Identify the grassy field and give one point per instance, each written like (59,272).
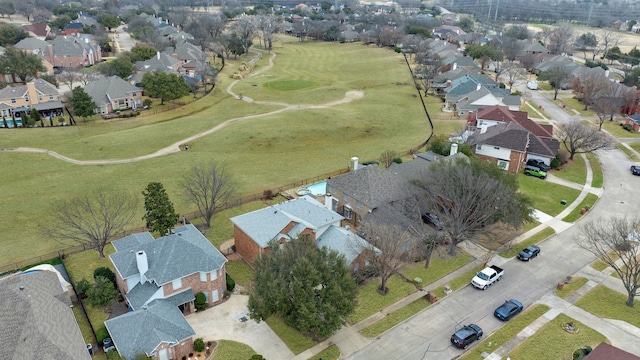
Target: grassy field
(531,108)
(614,128)
(575,170)
(610,304)
(370,301)
(570,288)
(558,344)
(545,195)
(395,318)
(261,152)
(575,214)
(240,272)
(232,350)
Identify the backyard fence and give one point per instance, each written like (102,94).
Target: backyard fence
(264,195)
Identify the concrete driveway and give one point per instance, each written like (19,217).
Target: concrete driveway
(222,322)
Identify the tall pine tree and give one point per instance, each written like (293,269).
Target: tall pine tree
(83,104)
(160,215)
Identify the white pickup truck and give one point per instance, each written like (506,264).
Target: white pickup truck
(487,277)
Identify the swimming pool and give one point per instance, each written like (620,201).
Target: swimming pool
(317,189)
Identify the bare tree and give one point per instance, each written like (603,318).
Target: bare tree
(210,188)
(430,65)
(608,40)
(591,85)
(387,157)
(556,76)
(268,26)
(92,220)
(579,138)
(560,38)
(68,77)
(616,242)
(469,196)
(606,106)
(387,250)
(245,28)
(513,72)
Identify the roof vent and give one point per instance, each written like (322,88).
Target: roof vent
(21,287)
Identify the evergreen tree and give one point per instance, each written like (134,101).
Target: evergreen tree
(83,104)
(160,216)
(159,84)
(20,63)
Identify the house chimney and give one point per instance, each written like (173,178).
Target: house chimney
(478,87)
(355,163)
(143,265)
(454,149)
(483,129)
(448,83)
(455,66)
(606,73)
(158,55)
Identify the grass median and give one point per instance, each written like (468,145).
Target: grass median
(589,201)
(532,240)
(627,152)
(598,176)
(570,288)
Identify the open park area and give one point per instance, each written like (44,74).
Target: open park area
(263,151)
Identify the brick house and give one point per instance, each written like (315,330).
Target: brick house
(634,121)
(64,51)
(39,31)
(112,94)
(494,115)
(297,217)
(157,275)
(510,145)
(39,95)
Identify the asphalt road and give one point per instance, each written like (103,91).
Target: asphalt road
(426,335)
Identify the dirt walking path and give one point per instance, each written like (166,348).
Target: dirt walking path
(176,147)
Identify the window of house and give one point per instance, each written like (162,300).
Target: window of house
(503,164)
(26,98)
(176,284)
(214,274)
(13,101)
(348,212)
(345,197)
(203,276)
(39,96)
(496,147)
(50,97)
(358,204)
(479,147)
(133,94)
(215,296)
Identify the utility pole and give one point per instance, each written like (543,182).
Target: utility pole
(489,13)
(590,11)
(495,17)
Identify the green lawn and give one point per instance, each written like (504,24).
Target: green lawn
(533,240)
(590,200)
(370,301)
(438,268)
(545,195)
(615,129)
(610,304)
(598,177)
(330,353)
(627,152)
(570,288)
(544,85)
(507,332)
(601,265)
(232,350)
(635,146)
(295,341)
(81,265)
(83,323)
(531,108)
(576,105)
(553,342)
(575,170)
(262,152)
(240,272)
(395,318)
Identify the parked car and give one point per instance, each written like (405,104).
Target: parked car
(487,277)
(433,220)
(465,336)
(107,344)
(529,253)
(635,169)
(539,164)
(535,171)
(509,309)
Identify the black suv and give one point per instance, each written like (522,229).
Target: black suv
(539,164)
(635,169)
(465,336)
(433,220)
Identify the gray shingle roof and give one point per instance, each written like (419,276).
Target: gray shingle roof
(171,257)
(373,186)
(266,224)
(145,329)
(342,241)
(507,135)
(36,322)
(140,294)
(32,44)
(104,90)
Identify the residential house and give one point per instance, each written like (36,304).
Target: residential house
(494,115)
(38,94)
(532,48)
(358,193)
(63,51)
(192,57)
(38,31)
(634,121)
(113,94)
(303,216)
(161,62)
(159,280)
(35,46)
(72,29)
(158,330)
(176,266)
(510,145)
(470,94)
(37,319)
(606,351)
(459,61)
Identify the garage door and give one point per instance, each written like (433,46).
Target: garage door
(163,354)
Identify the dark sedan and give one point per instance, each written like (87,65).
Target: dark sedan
(635,169)
(529,253)
(509,309)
